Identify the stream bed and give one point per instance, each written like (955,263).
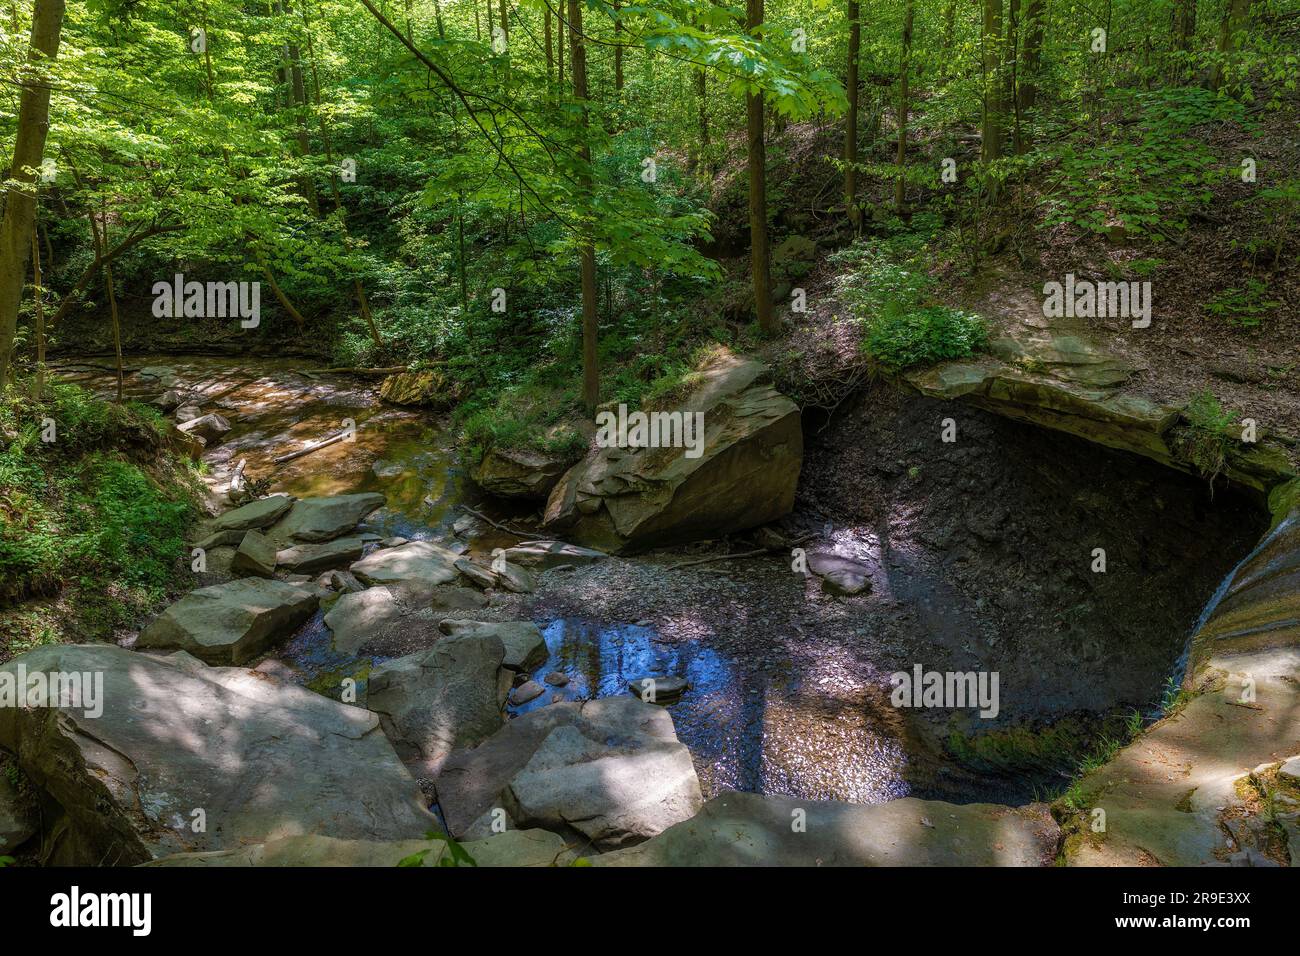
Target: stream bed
(979,556)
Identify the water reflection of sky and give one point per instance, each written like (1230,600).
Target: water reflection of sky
(746,730)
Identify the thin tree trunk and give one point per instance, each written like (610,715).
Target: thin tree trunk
(1031,61)
(900,159)
(587,253)
(991,133)
(618,52)
(702,94)
(852,85)
(559,49)
(29,149)
(760,264)
(99,233)
(38,390)
(550,52)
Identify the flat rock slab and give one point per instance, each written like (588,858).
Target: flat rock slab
(512,848)
(614,791)
(436,700)
(525,648)
(230,623)
(544,555)
(264,759)
(749,829)
(420,562)
(320,519)
(473,781)
(255,514)
(312,558)
(358,616)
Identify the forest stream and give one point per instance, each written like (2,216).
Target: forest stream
(788,689)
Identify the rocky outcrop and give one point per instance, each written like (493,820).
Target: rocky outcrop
(230,623)
(615,774)
(1207,769)
(748,829)
(629,499)
(321,519)
(427,388)
(436,700)
(186,757)
(518,473)
(1068,383)
(511,848)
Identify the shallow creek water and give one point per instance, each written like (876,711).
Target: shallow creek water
(788,688)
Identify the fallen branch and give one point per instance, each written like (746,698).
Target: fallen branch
(496,524)
(311,448)
(362,370)
(741,554)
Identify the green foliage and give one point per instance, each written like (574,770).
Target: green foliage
(888,291)
(90,507)
(1243,307)
(1205,440)
(450,853)
(1142,178)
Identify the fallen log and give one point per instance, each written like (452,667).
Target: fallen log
(311,448)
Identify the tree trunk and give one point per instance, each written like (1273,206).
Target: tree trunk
(851,86)
(900,187)
(760,265)
(1234,20)
(618,51)
(559,48)
(29,149)
(991,134)
(1184,24)
(587,252)
(1031,59)
(550,50)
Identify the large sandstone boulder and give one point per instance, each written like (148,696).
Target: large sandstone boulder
(749,829)
(256,514)
(525,648)
(230,623)
(261,759)
(605,773)
(419,562)
(518,473)
(320,519)
(629,499)
(511,848)
(436,700)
